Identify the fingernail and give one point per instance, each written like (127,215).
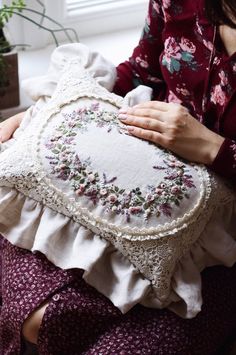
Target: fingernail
(122,116)
(123,110)
(130,129)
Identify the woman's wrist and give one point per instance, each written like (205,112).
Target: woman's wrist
(215,143)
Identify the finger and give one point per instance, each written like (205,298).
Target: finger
(6,132)
(155,105)
(143,122)
(151,136)
(144,112)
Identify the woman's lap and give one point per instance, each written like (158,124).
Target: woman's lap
(79,320)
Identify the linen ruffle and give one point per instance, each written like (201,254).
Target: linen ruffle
(28,224)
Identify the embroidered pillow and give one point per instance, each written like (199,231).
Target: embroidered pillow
(77,158)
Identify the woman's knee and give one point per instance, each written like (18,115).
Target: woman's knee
(30,329)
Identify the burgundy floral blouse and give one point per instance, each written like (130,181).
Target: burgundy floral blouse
(181,56)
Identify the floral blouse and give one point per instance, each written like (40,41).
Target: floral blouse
(182,57)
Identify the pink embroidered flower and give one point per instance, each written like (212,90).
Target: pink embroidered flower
(173,98)
(135,210)
(218,96)
(91,177)
(112,198)
(175,190)
(172,50)
(80,190)
(234,67)
(62,166)
(187,46)
(103,192)
(158,191)
(223,78)
(208,44)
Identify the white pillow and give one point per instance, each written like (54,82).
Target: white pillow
(77,158)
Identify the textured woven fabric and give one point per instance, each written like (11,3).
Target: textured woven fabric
(79,320)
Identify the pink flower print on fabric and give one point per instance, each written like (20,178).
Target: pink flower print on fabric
(218,96)
(177,54)
(142,62)
(199,28)
(187,46)
(223,78)
(208,44)
(216,61)
(156,7)
(233,147)
(172,55)
(183,91)
(234,67)
(166,3)
(173,98)
(221,91)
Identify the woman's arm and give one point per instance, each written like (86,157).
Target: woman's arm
(9,126)
(143,67)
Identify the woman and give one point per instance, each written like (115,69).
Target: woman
(187,55)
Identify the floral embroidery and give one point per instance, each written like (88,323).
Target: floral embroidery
(178,53)
(66,165)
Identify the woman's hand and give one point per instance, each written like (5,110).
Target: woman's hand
(172,127)
(8,127)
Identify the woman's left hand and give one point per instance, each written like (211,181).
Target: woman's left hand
(171,126)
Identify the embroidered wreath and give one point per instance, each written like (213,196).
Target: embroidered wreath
(67,166)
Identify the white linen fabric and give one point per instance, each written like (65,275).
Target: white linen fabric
(76,186)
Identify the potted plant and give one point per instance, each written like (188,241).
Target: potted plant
(9,82)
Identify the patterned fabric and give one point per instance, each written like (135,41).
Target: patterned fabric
(181,56)
(79,320)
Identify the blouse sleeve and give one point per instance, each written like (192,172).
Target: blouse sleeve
(225,161)
(143,66)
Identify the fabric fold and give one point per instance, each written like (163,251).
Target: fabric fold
(32,226)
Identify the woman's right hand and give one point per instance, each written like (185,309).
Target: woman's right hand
(9,126)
